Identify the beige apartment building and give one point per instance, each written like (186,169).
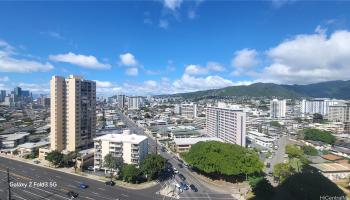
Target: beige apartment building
(131,147)
(227,123)
(73,113)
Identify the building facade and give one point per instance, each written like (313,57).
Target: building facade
(73,113)
(227,123)
(131,148)
(278,108)
(121,101)
(188,110)
(320,106)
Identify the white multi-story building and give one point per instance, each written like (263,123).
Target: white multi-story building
(73,113)
(135,102)
(278,108)
(260,139)
(320,106)
(131,148)
(188,110)
(121,101)
(227,123)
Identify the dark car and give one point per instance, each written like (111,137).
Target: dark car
(72,194)
(83,186)
(182,177)
(184,186)
(180,165)
(193,188)
(110,183)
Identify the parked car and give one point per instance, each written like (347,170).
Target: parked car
(193,188)
(175,170)
(182,177)
(110,183)
(72,194)
(184,186)
(36,161)
(83,186)
(180,165)
(91,168)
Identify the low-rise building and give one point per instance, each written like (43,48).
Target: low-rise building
(131,148)
(184,144)
(13,140)
(333,171)
(29,147)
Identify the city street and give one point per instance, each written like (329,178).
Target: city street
(204,191)
(278,156)
(61,183)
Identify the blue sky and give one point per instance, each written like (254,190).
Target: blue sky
(169,46)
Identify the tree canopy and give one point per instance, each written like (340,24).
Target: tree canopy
(152,166)
(309,150)
(319,135)
(130,173)
(226,159)
(55,157)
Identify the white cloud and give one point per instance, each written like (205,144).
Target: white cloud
(128,59)
(163,23)
(9,63)
(4,79)
(172,4)
(280,3)
(189,83)
(245,58)
(199,70)
(52,34)
(38,88)
(310,58)
(132,71)
(103,84)
(87,61)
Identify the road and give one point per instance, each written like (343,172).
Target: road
(279,153)
(61,183)
(204,192)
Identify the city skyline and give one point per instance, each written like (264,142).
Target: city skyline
(159,47)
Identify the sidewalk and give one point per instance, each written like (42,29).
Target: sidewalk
(119,183)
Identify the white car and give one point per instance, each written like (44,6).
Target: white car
(175,170)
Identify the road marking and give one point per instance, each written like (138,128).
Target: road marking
(124,195)
(52,193)
(57,176)
(72,186)
(95,193)
(101,189)
(17,196)
(88,198)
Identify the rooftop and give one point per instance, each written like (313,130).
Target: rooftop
(15,136)
(190,141)
(332,167)
(331,157)
(125,138)
(31,145)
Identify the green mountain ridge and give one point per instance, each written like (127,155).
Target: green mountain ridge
(329,89)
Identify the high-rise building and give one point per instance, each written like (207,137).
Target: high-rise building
(339,113)
(135,102)
(278,108)
(121,101)
(131,148)
(2,95)
(227,123)
(188,110)
(318,105)
(17,91)
(73,113)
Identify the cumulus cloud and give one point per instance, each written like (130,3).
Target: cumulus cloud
(310,58)
(128,60)
(132,71)
(87,61)
(10,63)
(199,70)
(191,83)
(103,84)
(245,58)
(38,88)
(172,4)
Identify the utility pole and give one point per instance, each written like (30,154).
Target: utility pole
(8,183)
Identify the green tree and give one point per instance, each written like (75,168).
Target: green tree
(112,163)
(153,166)
(319,135)
(275,123)
(317,118)
(55,157)
(263,189)
(309,150)
(223,159)
(293,151)
(282,171)
(130,173)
